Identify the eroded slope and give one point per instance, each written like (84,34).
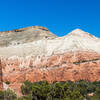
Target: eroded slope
(44,56)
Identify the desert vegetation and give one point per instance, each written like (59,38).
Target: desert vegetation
(80,90)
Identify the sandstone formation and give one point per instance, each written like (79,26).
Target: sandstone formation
(40,55)
(24,35)
(1,81)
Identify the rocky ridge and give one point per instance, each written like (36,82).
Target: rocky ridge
(24,35)
(75,56)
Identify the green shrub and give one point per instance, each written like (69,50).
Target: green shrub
(43,90)
(1,95)
(9,95)
(7,82)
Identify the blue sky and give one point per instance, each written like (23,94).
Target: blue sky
(60,16)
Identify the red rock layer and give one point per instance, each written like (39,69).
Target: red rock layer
(72,66)
(1,81)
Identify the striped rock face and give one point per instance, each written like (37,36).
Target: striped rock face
(35,54)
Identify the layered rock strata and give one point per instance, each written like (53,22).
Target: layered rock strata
(74,57)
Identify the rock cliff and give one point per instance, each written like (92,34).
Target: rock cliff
(41,55)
